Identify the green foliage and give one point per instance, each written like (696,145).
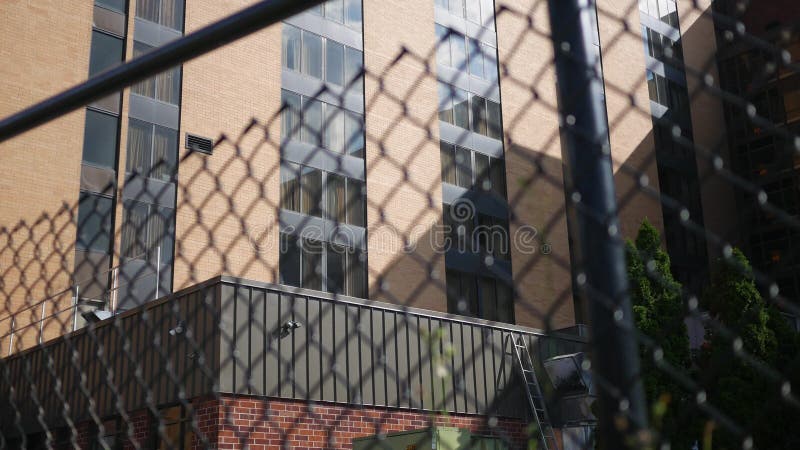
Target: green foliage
(659,314)
(743,392)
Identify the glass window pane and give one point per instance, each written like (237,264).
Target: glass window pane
(312,121)
(356,203)
(482,172)
(117,5)
(312,55)
(458,45)
(487,13)
(448,162)
(469,289)
(505,303)
(489,62)
(453,286)
(354,135)
(290,260)
(353,76)
(147,87)
(460,108)
(352,14)
(445,103)
(148,9)
(291,44)
(488,299)
(494,122)
(443,46)
(357,274)
(334,129)
(497,175)
(140,139)
(290,115)
(134,230)
(172,14)
(442,3)
(168,86)
(165,154)
(478,105)
(334,10)
(463,167)
(94,222)
(335,193)
(106,52)
(336,257)
(311,191)
(316,10)
(457,7)
(476,59)
(290,187)
(334,62)
(312,264)
(473,11)
(100,139)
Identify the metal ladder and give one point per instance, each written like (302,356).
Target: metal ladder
(534,393)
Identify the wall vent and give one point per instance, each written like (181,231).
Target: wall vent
(199,144)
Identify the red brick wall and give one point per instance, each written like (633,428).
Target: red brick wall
(237,422)
(265,424)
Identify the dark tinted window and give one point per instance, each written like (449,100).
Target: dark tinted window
(94,222)
(100,139)
(106,52)
(117,5)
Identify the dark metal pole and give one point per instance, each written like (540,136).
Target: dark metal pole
(615,357)
(213,36)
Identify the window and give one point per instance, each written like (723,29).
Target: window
(290,115)
(301,265)
(152,150)
(291,41)
(487,13)
(333,136)
(178,432)
(477,296)
(334,63)
(168,13)
(443,46)
(478,106)
(94,222)
(342,199)
(311,191)
(492,236)
(457,169)
(460,108)
(354,134)
(463,160)
(106,52)
(445,103)
(473,9)
(476,59)
(312,121)
(352,14)
(334,10)
(145,228)
(116,5)
(165,86)
(457,7)
(100,139)
(458,50)
(312,55)
(493,119)
(321,124)
(353,70)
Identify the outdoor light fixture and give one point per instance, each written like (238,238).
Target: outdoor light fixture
(288,327)
(179,328)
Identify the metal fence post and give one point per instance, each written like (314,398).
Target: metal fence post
(615,358)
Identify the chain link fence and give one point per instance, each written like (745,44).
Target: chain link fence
(455,224)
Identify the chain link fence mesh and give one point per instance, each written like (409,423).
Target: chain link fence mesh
(341,265)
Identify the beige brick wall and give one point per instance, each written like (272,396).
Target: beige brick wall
(45,49)
(402,157)
(226,210)
(699,53)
